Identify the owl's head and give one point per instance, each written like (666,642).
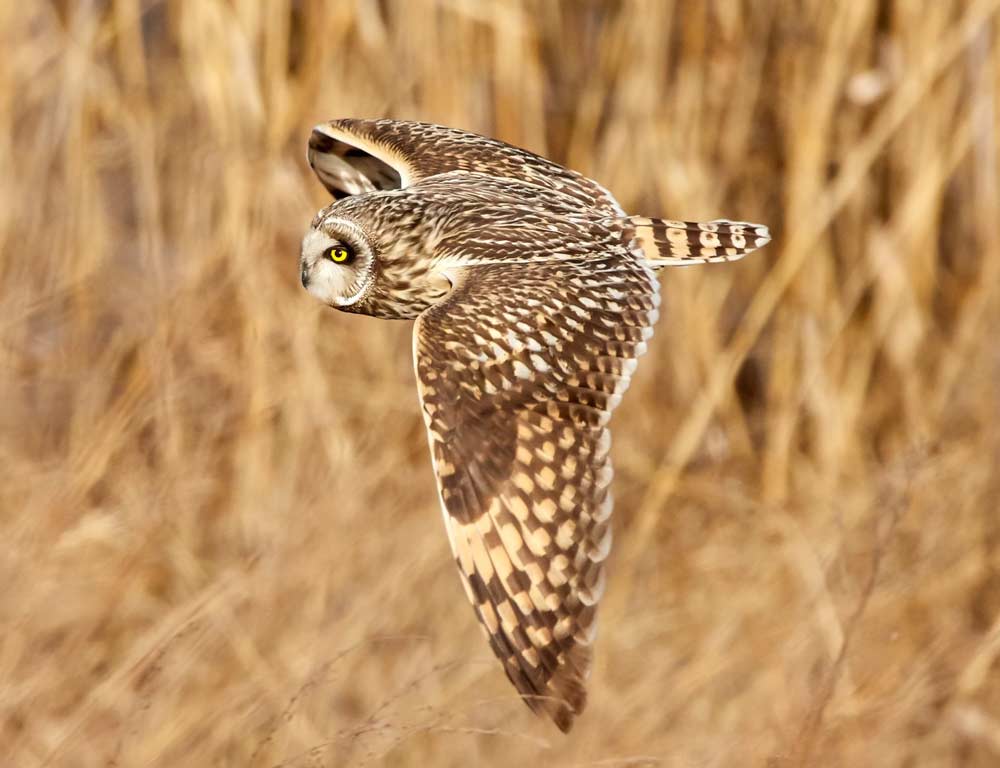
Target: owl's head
(337,262)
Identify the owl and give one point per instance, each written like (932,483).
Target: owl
(533,295)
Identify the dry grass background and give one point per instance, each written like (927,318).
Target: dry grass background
(220,537)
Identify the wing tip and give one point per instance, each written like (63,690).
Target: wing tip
(321,141)
(566,696)
(350,161)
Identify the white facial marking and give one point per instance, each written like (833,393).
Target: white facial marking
(337,285)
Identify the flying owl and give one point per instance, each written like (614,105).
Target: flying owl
(533,295)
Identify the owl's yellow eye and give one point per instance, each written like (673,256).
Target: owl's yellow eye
(339,254)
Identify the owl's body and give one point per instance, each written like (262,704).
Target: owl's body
(533,295)
(477,219)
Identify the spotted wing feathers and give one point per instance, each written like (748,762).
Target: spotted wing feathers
(666,243)
(354,156)
(518,371)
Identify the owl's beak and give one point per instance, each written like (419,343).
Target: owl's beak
(304,275)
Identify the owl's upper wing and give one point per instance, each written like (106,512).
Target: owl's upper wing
(518,371)
(353,156)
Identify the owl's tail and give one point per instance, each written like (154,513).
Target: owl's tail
(679,243)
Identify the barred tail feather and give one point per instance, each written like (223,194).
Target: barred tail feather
(667,243)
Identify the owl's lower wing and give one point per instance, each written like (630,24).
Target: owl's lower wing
(353,156)
(518,371)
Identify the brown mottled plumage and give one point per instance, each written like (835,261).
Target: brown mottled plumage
(534,295)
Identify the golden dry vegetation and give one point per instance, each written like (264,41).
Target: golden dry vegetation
(220,542)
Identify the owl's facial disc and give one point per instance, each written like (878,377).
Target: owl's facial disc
(337,263)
